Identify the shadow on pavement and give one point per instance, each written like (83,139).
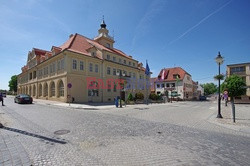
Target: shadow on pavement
(33,135)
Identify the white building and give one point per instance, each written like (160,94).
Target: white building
(174,80)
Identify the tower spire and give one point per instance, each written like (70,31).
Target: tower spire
(103,25)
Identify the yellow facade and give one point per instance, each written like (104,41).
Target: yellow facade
(47,74)
(242,70)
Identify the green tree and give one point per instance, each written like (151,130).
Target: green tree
(235,86)
(13,83)
(209,88)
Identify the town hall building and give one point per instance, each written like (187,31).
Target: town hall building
(81,69)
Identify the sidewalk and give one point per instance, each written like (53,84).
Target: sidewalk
(94,106)
(242,117)
(75,105)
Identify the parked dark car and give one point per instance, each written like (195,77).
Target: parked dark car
(203,98)
(23,99)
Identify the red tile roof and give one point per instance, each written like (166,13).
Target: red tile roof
(39,52)
(81,44)
(170,72)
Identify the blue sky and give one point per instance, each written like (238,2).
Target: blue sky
(168,33)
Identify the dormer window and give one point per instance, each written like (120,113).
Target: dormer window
(93,53)
(107,45)
(176,76)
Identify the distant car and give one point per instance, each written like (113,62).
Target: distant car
(23,99)
(203,98)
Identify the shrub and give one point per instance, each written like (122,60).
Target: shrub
(153,96)
(130,97)
(139,96)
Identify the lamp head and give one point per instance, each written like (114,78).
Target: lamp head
(219,59)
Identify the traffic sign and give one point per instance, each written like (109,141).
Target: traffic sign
(69,85)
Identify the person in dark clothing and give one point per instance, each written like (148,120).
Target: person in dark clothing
(1,98)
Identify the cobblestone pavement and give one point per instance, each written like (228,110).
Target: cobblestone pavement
(166,134)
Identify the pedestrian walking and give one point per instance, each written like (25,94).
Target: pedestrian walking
(226,97)
(1,98)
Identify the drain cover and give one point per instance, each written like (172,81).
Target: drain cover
(61,132)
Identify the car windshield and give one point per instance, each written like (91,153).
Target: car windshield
(24,95)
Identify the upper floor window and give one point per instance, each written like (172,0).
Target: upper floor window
(30,76)
(34,74)
(114,71)
(108,70)
(237,69)
(62,64)
(74,65)
(120,60)
(158,85)
(124,61)
(108,57)
(53,67)
(96,68)
(81,65)
(134,75)
(40,72)
(114,58)
(59,65)
(134,64)
(129,63)
(90,67)
(50,68)
(45,70)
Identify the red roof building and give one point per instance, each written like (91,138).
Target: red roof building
(174,81)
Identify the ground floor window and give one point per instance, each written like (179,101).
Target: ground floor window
(45,90)
(61,89)
(52,89)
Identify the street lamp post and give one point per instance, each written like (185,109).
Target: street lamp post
(219,60)
(120,76)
